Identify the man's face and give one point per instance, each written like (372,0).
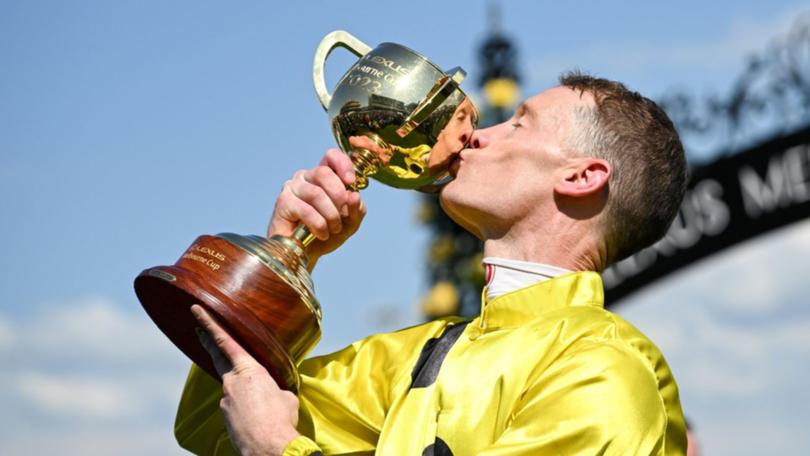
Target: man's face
(510,169)
(453,137)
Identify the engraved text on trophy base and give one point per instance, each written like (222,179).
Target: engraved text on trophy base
(202,259)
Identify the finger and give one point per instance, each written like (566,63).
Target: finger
(356,209)
(326,178)
(291,208)
(341,164)
(222,340)
(316,197)
(221,362)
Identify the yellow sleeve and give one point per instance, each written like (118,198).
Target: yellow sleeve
(344,397)
(603,398)
(200,426)
(302,446)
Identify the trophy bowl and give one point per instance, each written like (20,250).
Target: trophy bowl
(401,120)
(398,105)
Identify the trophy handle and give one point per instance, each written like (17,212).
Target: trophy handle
(337,38)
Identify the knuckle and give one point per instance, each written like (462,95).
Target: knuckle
(283,199)
(307,192)
(287,190)
(338,193)
(322,172)
(342,197)
(334,154)
(290,203)
(343,158)
(243,371)
(220,340)
(289,213)
(227,385)
(324,200)
(248,370)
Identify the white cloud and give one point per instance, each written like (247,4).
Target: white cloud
(78,396)
(88,368)
(94,327)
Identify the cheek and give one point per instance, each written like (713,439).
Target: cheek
(503,179)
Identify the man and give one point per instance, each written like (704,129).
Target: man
(583,175)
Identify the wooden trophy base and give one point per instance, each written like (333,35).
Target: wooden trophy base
(255,295)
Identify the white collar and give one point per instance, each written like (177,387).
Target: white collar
(504,275)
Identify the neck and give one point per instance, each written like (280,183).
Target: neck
(567,244)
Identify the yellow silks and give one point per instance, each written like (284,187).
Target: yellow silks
(544,370)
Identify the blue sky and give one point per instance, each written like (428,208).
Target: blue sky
(129,128)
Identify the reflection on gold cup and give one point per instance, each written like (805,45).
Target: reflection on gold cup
(403,103)
(401,120)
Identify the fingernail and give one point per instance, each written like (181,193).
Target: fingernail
(349,176)
(344,210)
(195,311)
(362,206)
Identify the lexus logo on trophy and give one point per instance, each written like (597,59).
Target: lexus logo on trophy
(395,114)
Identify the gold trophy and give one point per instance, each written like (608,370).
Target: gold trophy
(401,120)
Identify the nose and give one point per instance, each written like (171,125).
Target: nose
(465,134)
(479,139)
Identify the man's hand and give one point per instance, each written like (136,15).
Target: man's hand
(318,198)
(260,416)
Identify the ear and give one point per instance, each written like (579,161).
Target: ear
(584,177)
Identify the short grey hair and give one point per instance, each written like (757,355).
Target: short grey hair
(649,173)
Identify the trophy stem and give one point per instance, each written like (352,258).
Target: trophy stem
(302,235)
(366,163)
